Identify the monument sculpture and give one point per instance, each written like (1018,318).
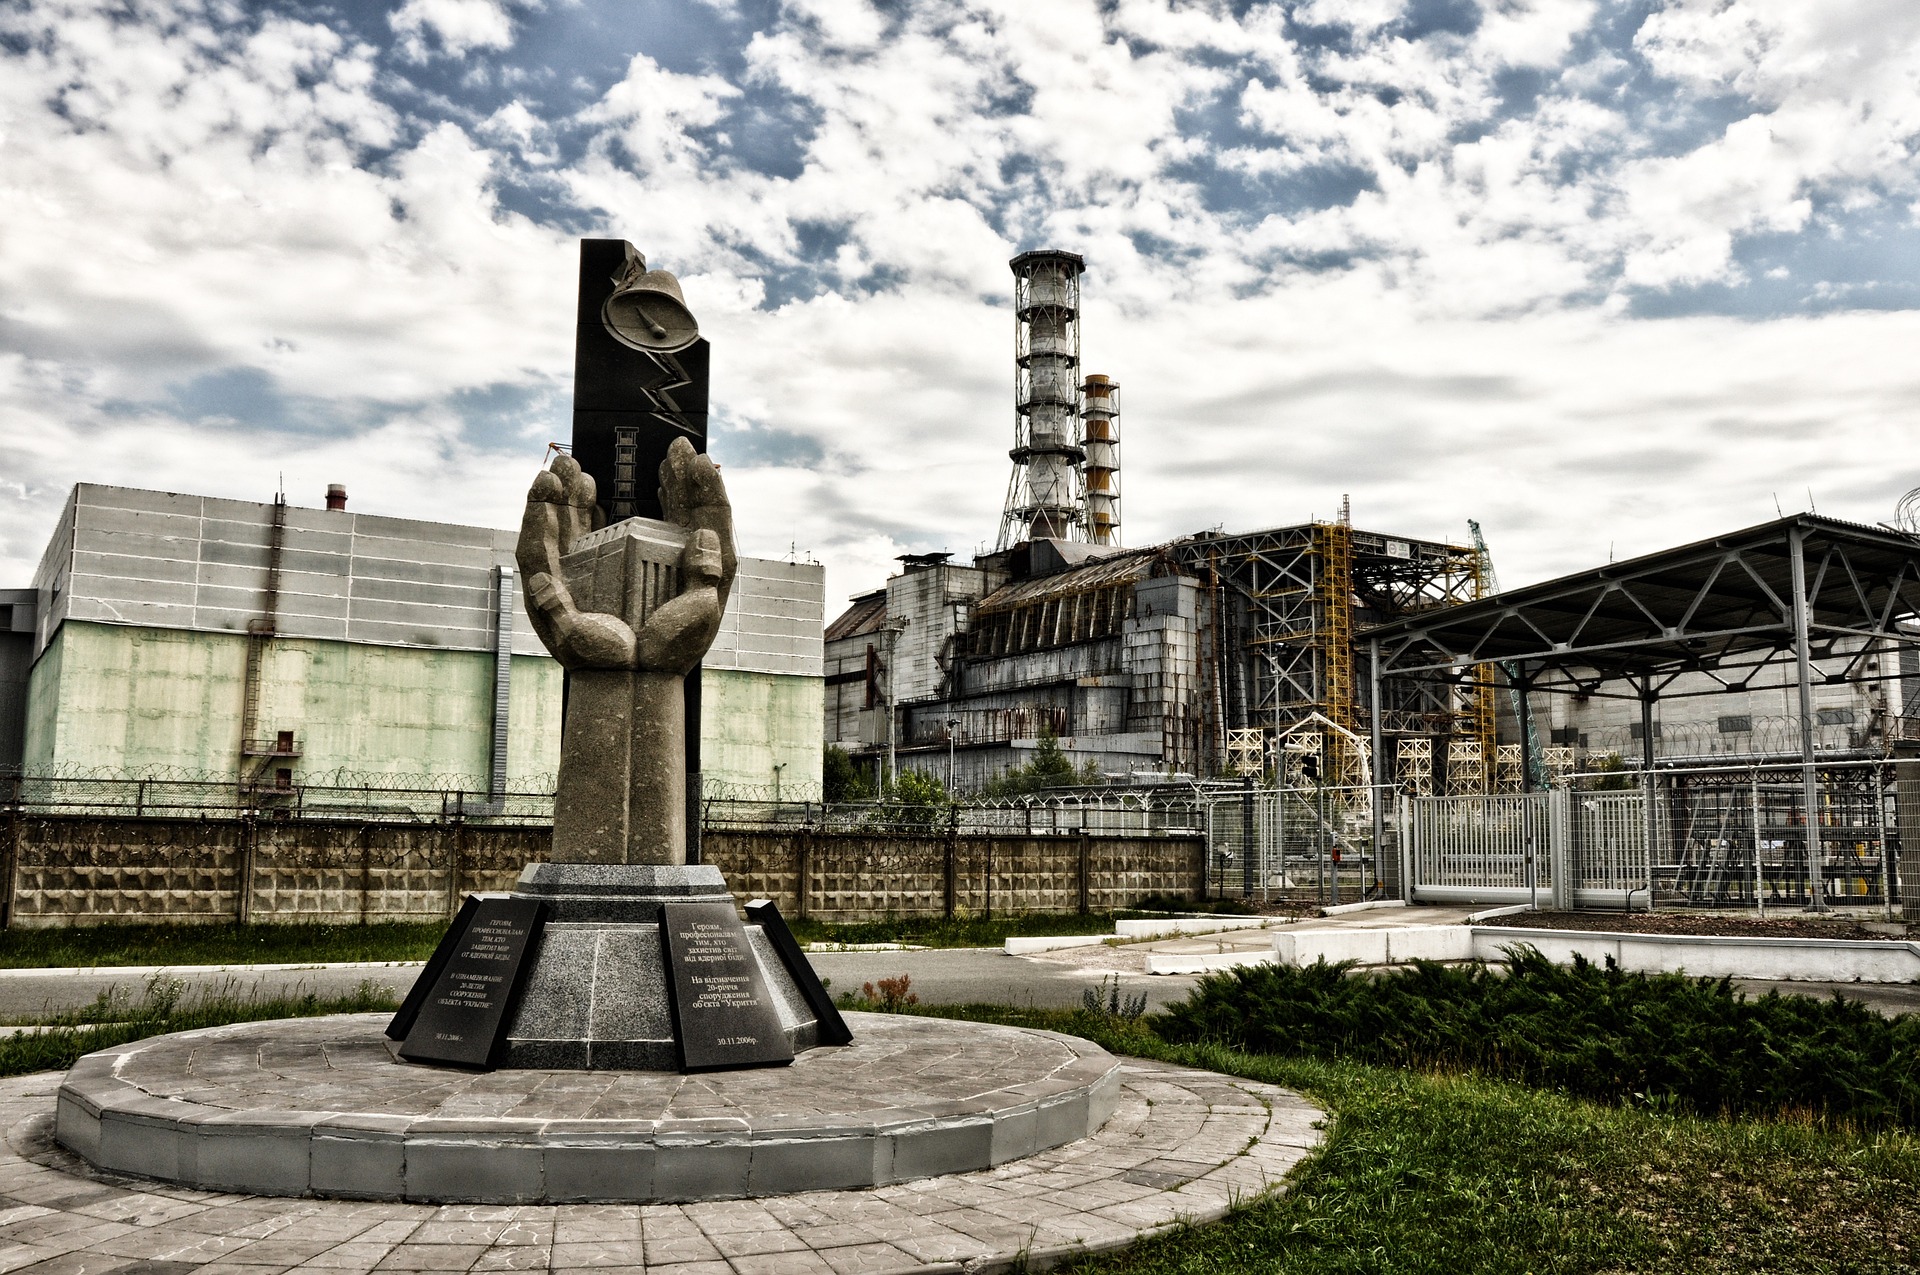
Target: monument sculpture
(617,953)
(628,610)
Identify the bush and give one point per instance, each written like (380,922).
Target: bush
(841,780)
(1659,1039)
(1050,768)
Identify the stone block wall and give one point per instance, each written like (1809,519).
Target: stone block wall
(850,877)
(90,870)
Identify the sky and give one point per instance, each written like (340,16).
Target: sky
(1605,277)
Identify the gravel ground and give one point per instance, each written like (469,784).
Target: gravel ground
(1723,926)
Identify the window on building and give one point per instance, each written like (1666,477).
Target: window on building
(283,779)
(1737,724)
(1635,731)
(1564,735)
(1834,716)
(283,742)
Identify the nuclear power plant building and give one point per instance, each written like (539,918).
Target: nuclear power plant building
(175,635)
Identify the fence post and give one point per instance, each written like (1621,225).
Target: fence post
(949,868)
(12,865)
(1086,854)
(366,869)
(455,868)
(243,894)
(802,874)
(1409,845)
(1560,847)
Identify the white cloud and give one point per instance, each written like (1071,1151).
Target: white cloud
(452,27)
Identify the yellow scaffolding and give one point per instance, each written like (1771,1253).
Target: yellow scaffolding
(1479,723)
(1333,545)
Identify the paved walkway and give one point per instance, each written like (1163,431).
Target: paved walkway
(1182,1146)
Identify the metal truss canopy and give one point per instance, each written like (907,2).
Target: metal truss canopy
(1725,608)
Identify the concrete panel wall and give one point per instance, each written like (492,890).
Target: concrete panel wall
(83,870)
(122,555)
(775,620)
(751,723)
(130,699)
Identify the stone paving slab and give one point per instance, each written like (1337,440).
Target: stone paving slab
(1180,1147)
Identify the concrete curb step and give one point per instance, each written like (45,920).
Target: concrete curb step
(1785,960)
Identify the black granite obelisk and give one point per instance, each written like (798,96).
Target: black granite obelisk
(628,407)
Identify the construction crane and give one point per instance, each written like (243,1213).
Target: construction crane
(1536,769)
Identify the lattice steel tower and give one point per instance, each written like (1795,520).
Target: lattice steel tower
(1043,497)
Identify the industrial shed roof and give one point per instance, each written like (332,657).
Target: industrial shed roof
(1723,607)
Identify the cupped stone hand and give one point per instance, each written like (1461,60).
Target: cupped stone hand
(560,508)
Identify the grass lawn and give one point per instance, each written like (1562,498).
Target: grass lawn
(216,944)
(394,941)
(115,1018)
(958,931)
(1431,1172)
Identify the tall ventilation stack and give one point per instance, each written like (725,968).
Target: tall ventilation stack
(1100,436)
(1043,497)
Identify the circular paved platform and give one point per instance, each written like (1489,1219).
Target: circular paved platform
(322,1107)
(1181,1147)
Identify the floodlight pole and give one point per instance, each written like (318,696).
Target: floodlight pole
(1379,768)
(1803,660)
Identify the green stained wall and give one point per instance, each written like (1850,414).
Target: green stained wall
(749,722)
(134,699)
(128,699)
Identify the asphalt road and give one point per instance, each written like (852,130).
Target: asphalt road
(939,977)
(943,976)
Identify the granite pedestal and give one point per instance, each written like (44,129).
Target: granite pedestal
(596,995)
(324,1107)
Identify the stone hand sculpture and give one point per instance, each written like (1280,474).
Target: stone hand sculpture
(628,610)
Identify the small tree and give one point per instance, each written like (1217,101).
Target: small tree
(917,798)
(841,780)
(1614,767)
(1050,768)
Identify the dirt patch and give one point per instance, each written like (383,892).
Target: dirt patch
(1690,923)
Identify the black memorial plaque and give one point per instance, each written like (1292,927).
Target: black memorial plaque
(723,1014)
(423,986)
(460,1020)
(832,1029)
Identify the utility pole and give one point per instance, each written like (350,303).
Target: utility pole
(952,724)
(893,630)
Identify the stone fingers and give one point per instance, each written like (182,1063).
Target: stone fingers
(677,634)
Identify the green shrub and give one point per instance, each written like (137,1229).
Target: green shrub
(1659,1039)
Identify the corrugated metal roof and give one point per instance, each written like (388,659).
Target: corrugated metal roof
(1120,569)
(866,615)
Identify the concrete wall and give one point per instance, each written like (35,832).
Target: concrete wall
(16,660)
(753,723)
(121,698)
(122,555)
(84,870)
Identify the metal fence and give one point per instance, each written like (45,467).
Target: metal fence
(1097,812)
(1297,844)
(1698,836)
(394,801)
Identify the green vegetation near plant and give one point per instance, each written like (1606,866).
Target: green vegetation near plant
(216,944)
(961,930)
(1693,1043)
(1050,768)
(115,1018)
(1431,1173)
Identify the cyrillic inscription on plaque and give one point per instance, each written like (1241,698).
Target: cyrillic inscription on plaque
(724,1016)
(468,1006)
